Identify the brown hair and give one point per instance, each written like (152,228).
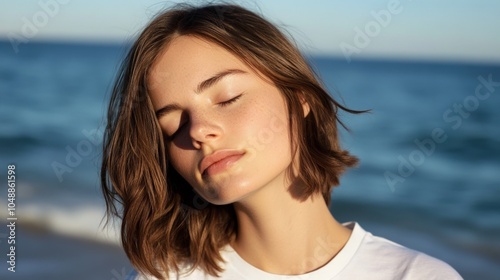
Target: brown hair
(165,225)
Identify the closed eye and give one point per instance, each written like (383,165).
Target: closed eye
(183,122)
(230,101)
(221,104)
(171,137)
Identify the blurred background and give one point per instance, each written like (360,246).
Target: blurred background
(429,176)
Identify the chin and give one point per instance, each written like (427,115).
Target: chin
(230,192)
(221,198)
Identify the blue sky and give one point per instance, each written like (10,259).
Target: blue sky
(418,29)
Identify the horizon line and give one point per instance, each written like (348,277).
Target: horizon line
(124,42)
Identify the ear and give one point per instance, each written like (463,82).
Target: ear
(305,106)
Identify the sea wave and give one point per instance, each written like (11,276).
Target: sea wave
(69,213)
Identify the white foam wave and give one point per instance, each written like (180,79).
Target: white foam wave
(65,213)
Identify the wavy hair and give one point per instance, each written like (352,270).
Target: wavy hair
(166,226)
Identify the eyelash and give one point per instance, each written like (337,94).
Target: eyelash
(230,101)
(221,104)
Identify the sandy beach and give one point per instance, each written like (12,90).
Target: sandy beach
(41,254)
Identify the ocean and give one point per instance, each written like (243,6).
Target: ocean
(429,150)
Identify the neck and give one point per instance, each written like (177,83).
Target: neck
(282,235)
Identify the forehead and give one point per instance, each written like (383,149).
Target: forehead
(187,60)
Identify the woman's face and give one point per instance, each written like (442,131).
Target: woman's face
(227,128)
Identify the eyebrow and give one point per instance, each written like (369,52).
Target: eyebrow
(216,78)
(200,88)
(167,109)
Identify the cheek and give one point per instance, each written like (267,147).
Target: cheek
(266,126)
(181,160)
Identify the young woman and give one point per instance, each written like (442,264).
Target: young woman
(220,154)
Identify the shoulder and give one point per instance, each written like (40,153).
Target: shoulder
(196,274)
(389,258)
(426,267)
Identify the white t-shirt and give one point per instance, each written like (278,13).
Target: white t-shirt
(364,256)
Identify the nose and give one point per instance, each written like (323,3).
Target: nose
(203,129)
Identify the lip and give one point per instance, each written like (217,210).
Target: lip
(218,161)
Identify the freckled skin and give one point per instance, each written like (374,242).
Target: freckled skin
(256,123)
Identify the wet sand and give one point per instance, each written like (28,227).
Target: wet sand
(41,254)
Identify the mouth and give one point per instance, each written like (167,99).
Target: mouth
(219,161)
